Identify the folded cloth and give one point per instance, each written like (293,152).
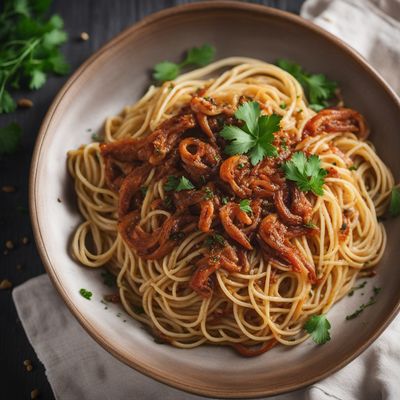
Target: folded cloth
(372,27)
(78,368)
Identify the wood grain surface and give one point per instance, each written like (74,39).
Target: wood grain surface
(101,19)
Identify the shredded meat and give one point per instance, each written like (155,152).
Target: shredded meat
(338,119)
(241,205)
(277,236)
(200,159)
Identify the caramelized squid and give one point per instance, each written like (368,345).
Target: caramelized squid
(276,235)
(338,119)
(235,171)
(225,258)
(200,159)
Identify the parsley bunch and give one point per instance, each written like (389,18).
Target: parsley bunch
(196,56)
(256,136)
(29,47)
(318,327)
(318,87)
(307,173)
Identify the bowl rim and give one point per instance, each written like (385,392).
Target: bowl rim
(103,341)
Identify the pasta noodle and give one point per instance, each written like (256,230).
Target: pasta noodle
(268,300)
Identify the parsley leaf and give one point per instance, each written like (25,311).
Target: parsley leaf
(318,327)
(244,205)
(29,47)
(86,294)
(196,56)
(256,136)
(318,87)
(307,173)
(10,137)
(166,71)
(178,184)
(200,56)
(394,208)
(214,240)
(208,194)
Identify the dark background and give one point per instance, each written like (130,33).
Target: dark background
(101,19)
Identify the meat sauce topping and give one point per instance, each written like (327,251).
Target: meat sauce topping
(240,206)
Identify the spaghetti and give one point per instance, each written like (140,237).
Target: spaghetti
(193,264)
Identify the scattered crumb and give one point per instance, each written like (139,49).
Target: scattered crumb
(34,393)
(8,189)
(25,240)
(25,103)
(58,199)
(29,368)
(27,362)
(9,244)
(84,36)
(5,284)
(19,267)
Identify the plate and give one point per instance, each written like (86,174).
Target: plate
(117,75)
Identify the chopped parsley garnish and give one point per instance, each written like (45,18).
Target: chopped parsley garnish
(197,56)
(318,327)
(29,48)
(108,278)
(283,105)
(394,208)
(214,240)
(244,205)
(10,137)
(86,294)
(225,200)
(372,300)
(343,227)
(353,167)
(318,87)
(240,166)
(360,286)
(310,225)
(283,144)
(178,184)
(208,195)
(256,136)
(306,172)
(143,190)
(96,138)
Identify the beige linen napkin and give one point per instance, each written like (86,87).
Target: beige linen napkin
(78,368)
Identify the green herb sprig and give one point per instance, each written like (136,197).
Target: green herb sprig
(306,172)
(178,184)
(244,205)
(196,56)
(318,327)
(319,89)
(86,294)
(29,48)
(256,136)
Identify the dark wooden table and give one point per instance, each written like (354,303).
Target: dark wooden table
(101,19)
